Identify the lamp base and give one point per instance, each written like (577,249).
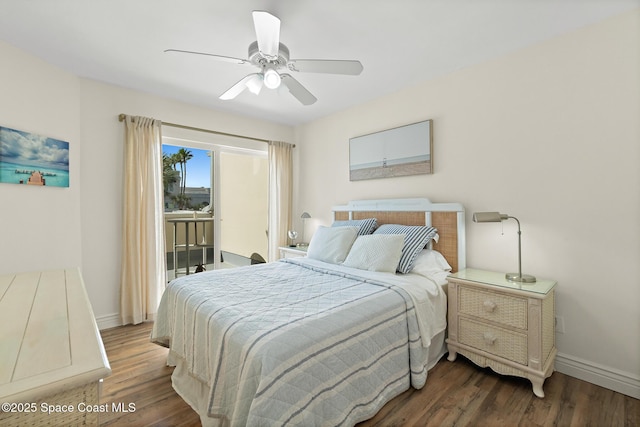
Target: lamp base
(515,277)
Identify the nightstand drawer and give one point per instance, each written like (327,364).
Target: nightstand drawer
(501,342)
(497,307)
(293,251)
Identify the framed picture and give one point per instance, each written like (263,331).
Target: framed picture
(30,159)
(401,151)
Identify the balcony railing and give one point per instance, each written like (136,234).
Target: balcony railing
(199,248)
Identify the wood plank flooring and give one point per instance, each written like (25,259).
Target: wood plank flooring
(456,394)
(140,376)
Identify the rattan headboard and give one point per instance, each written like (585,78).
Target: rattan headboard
(448,218)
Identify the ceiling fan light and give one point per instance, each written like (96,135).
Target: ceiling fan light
(255,85)
(272,79)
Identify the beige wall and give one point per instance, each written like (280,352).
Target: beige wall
(39,226)
(549,134)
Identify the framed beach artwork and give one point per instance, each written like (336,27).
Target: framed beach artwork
(401,151)
(30,159)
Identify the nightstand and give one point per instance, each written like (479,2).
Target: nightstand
(293,251)
(505,325)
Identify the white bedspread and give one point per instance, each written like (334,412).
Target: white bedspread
(427,295)
(299,342)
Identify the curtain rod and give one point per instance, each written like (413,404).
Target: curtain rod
(121,118)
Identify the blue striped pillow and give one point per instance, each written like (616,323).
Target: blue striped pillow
(415,240)
(366,225)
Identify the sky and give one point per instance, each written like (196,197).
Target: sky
(35,150)
(198,168)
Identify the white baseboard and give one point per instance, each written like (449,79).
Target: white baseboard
(108,321)
(604,376)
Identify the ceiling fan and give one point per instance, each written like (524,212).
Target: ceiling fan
(271,56)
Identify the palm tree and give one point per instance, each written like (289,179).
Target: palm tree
(175,160)
(183,155)
(181,201)
(169,173)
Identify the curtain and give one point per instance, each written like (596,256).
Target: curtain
(280,195)
(143,275)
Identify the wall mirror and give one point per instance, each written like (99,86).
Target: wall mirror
(401,151)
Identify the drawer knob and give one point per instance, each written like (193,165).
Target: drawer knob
(489,338)
(489,306)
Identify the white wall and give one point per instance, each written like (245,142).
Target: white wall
(549,134)
(39,225)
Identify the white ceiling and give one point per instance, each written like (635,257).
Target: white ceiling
(400,43)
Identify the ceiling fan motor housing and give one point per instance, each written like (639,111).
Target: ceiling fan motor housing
(260,60)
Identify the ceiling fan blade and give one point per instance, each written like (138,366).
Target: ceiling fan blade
(251,81)
(267,33)
(297,90)
(218,57)
(329,66)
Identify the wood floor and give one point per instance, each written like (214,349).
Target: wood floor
(139,375)
(456,394)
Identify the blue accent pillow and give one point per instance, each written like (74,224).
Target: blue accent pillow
(366,226)
(416,239)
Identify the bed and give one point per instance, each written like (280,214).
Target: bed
(321,340)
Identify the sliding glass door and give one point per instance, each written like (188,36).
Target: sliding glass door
(243,202)
(216,201)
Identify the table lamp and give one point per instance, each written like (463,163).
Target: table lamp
(498,217)
(305,216)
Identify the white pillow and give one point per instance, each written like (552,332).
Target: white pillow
(430,261)
(417,237)
(332,244)
(376,252)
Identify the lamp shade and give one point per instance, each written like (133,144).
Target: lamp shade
(305,216)
(489,217)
